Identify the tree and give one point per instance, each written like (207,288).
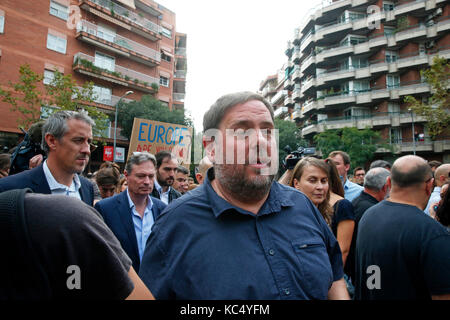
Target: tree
(436,109)
(151,109)
(288,135)
(61,94)
(359,144)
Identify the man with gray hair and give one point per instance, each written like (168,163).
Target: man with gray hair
(131,214)
(380,164)
(401,253)
(66,138)
(242,235)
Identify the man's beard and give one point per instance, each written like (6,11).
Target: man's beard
(233,179)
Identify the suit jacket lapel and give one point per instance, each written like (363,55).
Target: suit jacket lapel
(126,216)
(39,181)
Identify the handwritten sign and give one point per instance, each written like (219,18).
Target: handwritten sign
(154,136)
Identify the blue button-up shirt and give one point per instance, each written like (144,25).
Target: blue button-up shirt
(351,190)
(142,225)
(202,247)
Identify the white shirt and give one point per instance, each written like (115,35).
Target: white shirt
(164,196)
(58,188)
(434,197)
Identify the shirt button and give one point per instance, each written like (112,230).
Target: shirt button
(287,292)
(271,252)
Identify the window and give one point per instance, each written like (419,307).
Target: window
(361,86)
(165,57)
(106,33)
(164,81)
(46,111)
(102,95)
(393,107)
(56,44)
(388,31)
(396,135)
(48,76)
(391,56)
(166,32)
(392,81)
(388,6)
(59,10)
(2,24)
(104,61)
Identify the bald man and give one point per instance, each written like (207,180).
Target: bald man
(203,166)
(441,176)
(402,254)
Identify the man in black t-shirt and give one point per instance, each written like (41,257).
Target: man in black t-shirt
(401,253)
(57,247)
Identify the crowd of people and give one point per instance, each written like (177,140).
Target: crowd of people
(237,233)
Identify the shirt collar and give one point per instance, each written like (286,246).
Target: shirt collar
(277,198)
(158,187)
(131,203)
(55,185)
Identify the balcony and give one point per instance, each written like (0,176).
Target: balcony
(288,101)
(296,94)
(85,64)
(297,114)
(411,32)
(281,111)
(151,9)
(120,15)
(179,96)
(180,51)
(181,74)
(288,84)
(88,32)
(310,83)
(278,97)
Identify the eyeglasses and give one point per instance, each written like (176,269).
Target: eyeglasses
(360,175)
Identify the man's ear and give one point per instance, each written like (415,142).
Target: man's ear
(429,186)
(210,149)
(389,183)
(51,141)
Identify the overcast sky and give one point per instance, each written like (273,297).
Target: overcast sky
(233,45)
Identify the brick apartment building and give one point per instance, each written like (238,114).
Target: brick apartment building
(343,70)
(135,40)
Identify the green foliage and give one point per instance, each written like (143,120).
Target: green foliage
(437,109)
(26,98)
(289,135)
(63,93)
(359,144)
(151,109)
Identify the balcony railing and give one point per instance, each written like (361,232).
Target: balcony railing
(123,43)
(180,51)
(178,96)
(126,14)
(180,74)
(120,73)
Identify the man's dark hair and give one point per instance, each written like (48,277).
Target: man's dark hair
(380,164)
(357,169)
(343,154)
(434,163)
(182,169)
(163,155)
(418,174)
(215,114)
(5,161)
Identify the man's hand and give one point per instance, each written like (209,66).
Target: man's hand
(3,173)
(35,161)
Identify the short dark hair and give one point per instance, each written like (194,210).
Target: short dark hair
(380,164)
(343,154)
(5,161)
(161,156)
(418,174)
(357,169)
(215,114)
(434,163)
(182,169)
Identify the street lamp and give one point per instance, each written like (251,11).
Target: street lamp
(412,128)
(115,122)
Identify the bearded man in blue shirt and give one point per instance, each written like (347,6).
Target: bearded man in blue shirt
(242,235)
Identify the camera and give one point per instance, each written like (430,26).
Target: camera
(297,155)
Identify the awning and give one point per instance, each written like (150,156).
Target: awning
(164,73)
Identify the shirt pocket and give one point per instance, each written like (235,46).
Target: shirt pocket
(315,267)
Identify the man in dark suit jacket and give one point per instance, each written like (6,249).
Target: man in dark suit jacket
(66,139)
(131,214)
(166,166)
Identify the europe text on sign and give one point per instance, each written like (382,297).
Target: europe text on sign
(154,136)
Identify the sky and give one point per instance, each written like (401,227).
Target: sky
(233,45)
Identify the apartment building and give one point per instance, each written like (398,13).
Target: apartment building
(121,46)
(351,63)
